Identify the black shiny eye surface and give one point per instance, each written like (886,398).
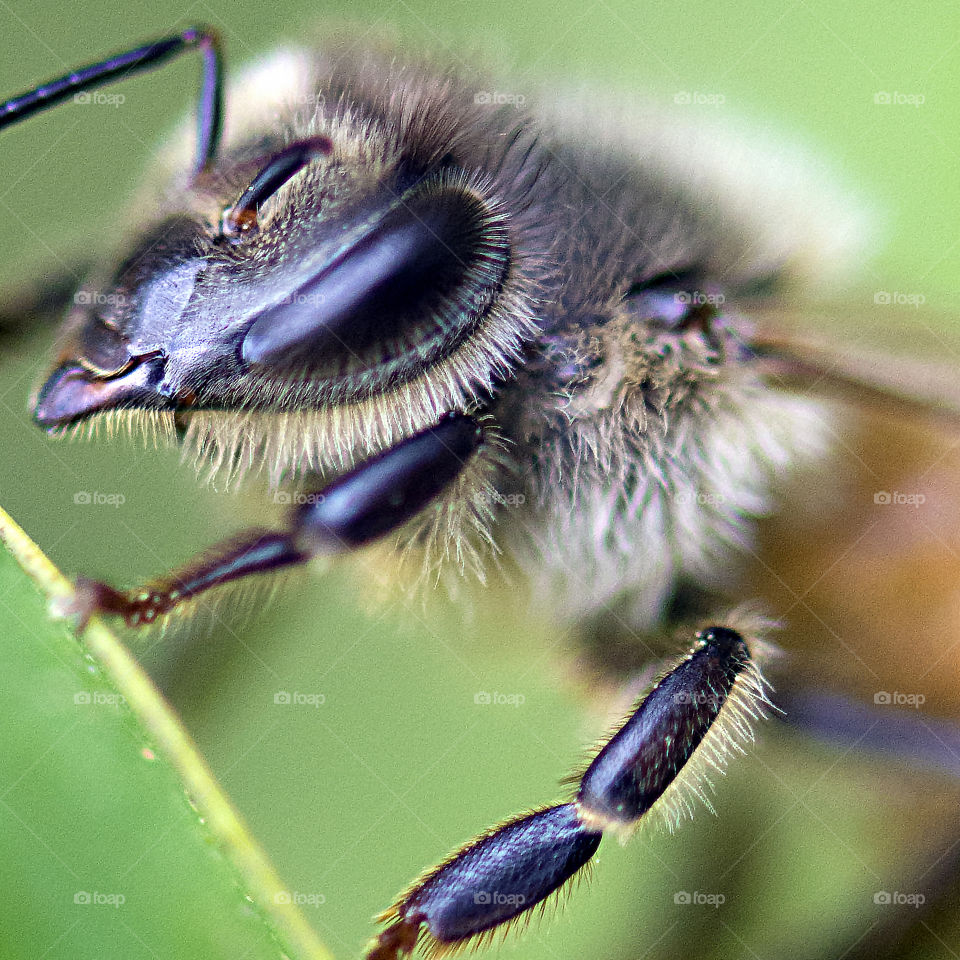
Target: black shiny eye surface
(241,220)
(399,296)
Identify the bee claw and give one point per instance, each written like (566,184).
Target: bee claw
(80,605)
(396,941)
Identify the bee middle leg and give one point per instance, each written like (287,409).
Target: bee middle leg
(694,717)
(371,500)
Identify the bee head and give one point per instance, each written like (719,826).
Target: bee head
(350,259)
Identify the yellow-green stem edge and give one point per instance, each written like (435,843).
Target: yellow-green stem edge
(172,741)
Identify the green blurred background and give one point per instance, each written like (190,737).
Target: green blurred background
(399,764)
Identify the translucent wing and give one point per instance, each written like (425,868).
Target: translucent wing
(862,560)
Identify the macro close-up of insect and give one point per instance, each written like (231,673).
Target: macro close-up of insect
(550,411)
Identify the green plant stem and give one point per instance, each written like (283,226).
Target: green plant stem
(173,744)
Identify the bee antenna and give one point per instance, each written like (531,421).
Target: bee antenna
(122,65)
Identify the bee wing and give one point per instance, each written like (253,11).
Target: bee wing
(897,358)
(862,561)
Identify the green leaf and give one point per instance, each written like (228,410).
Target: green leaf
(117,842)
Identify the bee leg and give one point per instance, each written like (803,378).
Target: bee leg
(371,500)
(695,715)
(911,737)
(490,881)
(27,310)
(121,65)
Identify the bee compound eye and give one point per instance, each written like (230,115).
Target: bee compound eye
(412,288)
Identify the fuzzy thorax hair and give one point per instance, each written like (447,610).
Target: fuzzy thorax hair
(653,467)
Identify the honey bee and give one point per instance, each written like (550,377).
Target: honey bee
(478,337)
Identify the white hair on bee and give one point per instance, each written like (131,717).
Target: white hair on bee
(451,544)
(155,427)
(634,499)
(788,207)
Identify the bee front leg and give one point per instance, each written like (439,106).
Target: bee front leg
(25,311)
(371,500)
